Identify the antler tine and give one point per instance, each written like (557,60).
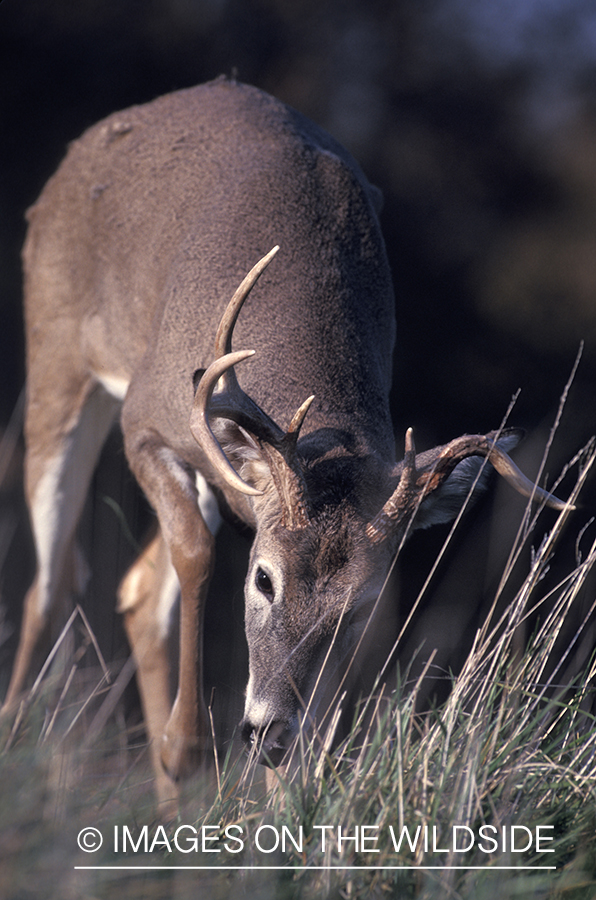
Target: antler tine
(410,457)
(291,436)
(223,337)
(516,478)
(400,503)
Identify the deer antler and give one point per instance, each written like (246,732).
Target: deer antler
(227,400)
(415,484)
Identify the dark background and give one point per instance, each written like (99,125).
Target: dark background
(477,120)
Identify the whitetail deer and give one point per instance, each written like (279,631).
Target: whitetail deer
(133,251)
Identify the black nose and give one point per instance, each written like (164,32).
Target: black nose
(249,734)
(268,744)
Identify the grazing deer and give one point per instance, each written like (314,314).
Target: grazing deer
(133,251)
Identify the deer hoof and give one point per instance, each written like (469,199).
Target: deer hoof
(181,756)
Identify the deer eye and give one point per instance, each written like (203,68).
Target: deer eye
(264,584)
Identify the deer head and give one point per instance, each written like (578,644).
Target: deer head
(328,525)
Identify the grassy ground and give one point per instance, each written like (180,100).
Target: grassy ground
(492,794)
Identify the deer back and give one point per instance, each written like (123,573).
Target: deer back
(161,209)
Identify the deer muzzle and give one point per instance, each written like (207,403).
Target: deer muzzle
(270,744)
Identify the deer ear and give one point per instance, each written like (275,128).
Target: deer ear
(244,453)
(264,468)
(444,504)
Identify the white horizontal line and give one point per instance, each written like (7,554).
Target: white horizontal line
(311,868)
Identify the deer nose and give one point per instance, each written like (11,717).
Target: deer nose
(268,744)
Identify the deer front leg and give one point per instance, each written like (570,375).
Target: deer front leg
(170,487)
(146,599)
(186,738)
